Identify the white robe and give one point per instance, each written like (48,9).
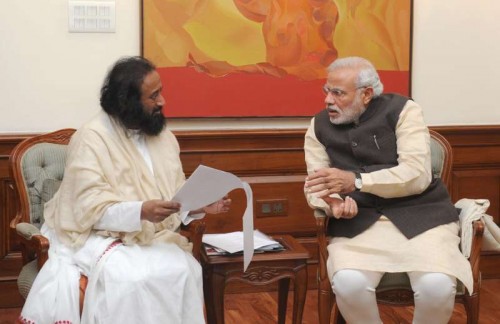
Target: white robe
(151,279)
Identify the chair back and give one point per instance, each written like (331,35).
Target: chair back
(441,158)
(37,168)
(392,288)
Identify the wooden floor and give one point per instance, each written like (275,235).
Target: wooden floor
(261,308)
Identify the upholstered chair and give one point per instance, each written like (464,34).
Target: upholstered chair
(37,169)
(394,288)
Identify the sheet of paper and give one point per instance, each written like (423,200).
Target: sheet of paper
(207,185)
(233,242)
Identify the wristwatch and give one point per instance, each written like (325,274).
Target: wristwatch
(358,182)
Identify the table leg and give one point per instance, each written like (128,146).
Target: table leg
(299,295)
(283,286)
(213,291)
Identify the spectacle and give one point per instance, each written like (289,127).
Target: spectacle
(338,93)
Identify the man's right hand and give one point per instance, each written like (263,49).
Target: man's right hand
(157,210)
(347,208)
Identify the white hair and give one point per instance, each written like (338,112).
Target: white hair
(367,75)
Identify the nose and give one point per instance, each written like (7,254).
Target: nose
(160,100)
(329,98)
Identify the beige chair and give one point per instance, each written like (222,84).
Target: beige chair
(37,169)
(394,288)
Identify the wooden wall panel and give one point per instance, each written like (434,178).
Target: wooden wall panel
(479,184)
(476,163)
(272,162)
(10,257)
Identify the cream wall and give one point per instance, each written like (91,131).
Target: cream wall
(50,78)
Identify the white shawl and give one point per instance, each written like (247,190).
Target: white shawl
(103,168)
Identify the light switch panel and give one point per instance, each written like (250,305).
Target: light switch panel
(91,16)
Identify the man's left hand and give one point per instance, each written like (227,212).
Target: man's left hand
(218,207)
(327,181)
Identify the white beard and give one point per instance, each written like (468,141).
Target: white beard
(349,114)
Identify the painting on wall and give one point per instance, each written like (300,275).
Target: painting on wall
(267,58)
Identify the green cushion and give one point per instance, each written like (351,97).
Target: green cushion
(437,158)
(26,278)
(49,188)
(43,166)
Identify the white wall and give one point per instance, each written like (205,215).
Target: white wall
(456,61)
(50,79)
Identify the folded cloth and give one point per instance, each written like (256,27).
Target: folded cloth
(491,239)
(470,210)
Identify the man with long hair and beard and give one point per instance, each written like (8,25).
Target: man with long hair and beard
(113,220)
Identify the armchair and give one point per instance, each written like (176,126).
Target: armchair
(394,288)
(37,169)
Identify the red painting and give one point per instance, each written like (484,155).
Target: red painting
(267,58)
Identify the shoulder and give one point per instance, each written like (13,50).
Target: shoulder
(93,132)
(394,99)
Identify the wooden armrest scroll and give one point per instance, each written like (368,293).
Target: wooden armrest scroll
(33,244)
(194,232)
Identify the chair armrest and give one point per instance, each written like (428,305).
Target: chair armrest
(321,226)
(325,294)
(194,232)
(33,244)
(477,242)
(27,230)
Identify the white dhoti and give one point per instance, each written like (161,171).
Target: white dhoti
(159,283)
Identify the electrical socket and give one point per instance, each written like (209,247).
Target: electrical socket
(271,207)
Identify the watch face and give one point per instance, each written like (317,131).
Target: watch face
(358,183)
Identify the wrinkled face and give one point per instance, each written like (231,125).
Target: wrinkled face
(344,102)
(153,121)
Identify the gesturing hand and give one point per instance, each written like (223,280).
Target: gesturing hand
(347,208)
(220,206)
(157,210)
(327,181)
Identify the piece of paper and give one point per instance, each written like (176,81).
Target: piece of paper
(207,185)
(233,242)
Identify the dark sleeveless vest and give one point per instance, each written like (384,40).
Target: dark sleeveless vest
(371,146)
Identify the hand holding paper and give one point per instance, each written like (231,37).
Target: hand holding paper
(220,206)
(207,185)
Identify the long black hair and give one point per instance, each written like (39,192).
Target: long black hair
(121,91)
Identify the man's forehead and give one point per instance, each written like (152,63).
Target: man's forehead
(342,76)
(151,82)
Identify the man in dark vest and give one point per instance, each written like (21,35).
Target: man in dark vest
(369,166)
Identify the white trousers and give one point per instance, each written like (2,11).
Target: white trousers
(434,295)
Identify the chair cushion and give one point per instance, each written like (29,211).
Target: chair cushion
(41,162)
(437,160)
(26,278)
(49,188)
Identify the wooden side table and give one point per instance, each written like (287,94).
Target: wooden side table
(264,269)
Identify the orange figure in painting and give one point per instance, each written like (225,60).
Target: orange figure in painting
(269,55)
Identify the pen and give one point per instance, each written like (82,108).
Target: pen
(375,140)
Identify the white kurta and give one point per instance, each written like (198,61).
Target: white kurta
(155,282)
(382,247)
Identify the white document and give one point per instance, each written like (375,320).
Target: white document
(207,185)
(233,242)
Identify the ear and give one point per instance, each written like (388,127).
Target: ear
(367,95)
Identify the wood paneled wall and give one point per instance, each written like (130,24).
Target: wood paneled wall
(272,162)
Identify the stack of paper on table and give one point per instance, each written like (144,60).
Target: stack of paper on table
(229,243)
